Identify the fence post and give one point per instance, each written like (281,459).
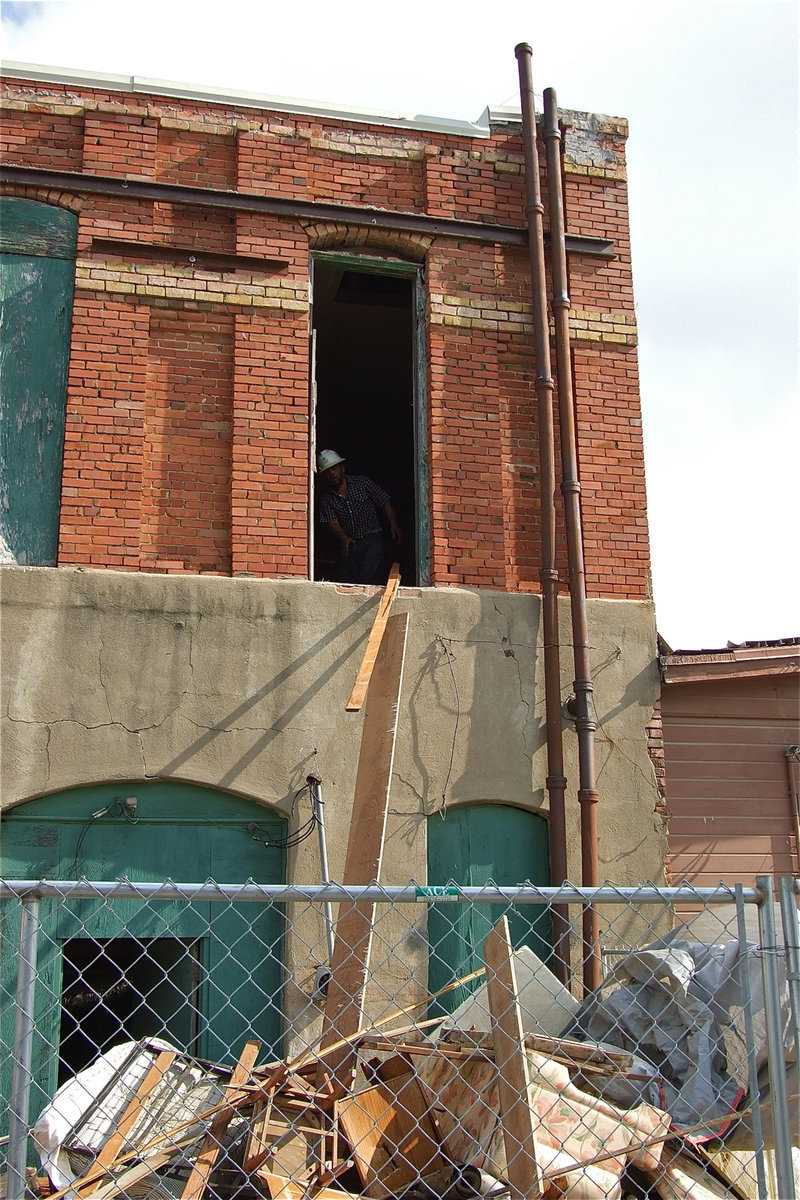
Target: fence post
(790,919)
(23,1044)
(775,1048)
(752,1061)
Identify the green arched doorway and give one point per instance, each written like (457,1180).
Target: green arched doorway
(473,845)
(206,976)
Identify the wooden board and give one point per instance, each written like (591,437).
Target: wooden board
(114,1144)
(516,1118)
(280,1188)
(204,1164)
(374,641)
(391,1134)
(344,1004)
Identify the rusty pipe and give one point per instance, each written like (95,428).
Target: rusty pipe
(793,776)
(585,722)
(556,782)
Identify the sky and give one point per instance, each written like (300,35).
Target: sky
(710,89)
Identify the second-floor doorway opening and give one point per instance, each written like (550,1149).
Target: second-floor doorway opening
(367,397)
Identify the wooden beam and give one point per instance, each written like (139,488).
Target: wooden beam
(133,1111)
(204,1163)
(344,1006)
(374,640)
(522,1168)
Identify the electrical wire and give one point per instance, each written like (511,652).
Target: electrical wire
(259,834)
(117,808)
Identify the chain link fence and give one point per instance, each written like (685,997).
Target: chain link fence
(165,1040)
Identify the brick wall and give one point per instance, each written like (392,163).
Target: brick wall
(187,425)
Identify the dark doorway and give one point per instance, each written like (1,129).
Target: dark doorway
(123,989)
(366,404)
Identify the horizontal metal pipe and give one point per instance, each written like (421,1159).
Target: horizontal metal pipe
(282,893)
(311,210)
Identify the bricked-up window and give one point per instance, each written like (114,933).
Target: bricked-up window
(367,396)
(187,459)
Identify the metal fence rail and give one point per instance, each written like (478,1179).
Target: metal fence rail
(181,1039)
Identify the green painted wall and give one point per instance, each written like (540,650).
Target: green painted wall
(37,270)
(473,845)
(182,832)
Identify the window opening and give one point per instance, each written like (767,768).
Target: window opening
(122,989)
(366,397)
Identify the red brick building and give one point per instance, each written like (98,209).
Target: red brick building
(214,236)
(201,291)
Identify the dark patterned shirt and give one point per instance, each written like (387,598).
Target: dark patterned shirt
(358,511)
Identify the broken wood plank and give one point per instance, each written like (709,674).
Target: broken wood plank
(133,1111)
(135,1174)
(344,1005)
(170,1136)
(204,1164)
(373,641)
(522,1165)
(392,1136)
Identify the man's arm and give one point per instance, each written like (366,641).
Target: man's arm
(391,517)
(341,537)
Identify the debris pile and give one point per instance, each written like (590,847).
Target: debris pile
(410,1114)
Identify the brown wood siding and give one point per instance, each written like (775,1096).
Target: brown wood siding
(727,784)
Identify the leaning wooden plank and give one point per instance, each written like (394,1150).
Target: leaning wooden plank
(523,1171)
(373,641)
(114,1144)
(79,1186)
(344,1004)
(198,1178)
(134,1175)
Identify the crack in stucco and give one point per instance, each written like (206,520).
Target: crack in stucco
(508,652)
(260,729)
(48,765)
(415,791)
(100,654)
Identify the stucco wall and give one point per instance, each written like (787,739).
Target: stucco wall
(236,683)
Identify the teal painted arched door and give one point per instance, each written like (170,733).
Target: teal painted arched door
(205,976)
(474,845)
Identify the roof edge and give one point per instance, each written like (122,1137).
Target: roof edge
(218,95)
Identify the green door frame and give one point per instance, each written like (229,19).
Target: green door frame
(422,491)
(184,832)
(477,844)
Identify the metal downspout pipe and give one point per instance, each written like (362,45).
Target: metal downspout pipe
(556,781)
(585,722)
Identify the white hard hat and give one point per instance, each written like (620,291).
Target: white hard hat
(326,459)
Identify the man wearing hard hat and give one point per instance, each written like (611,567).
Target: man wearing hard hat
(351,507)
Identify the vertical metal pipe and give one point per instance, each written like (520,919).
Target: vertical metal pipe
(315,785)
(750,1042)
(585,723)
(793,778)
(775,1049)
(556,782)
(21,1076)
(790,920)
